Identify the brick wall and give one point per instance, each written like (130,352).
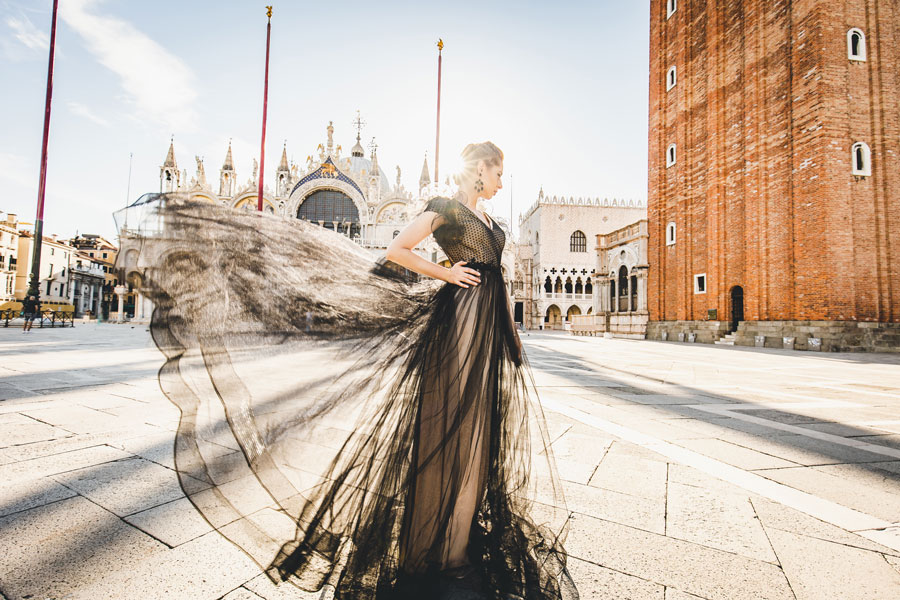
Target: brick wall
(764,114)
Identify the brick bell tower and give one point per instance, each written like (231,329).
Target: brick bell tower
(774,172)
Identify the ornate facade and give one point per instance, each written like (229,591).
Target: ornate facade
(555,278)
(350,195)
(347,194)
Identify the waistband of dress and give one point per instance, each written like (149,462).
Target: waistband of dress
(479,266)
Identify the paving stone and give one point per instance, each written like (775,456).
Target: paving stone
(31,493)
(737,456)
(623,472)
(240,593)
(774,515)
(706,572)
(263,587)
(59,463)
(126,486)
(719,520)
(173,523)
(51,550)
(838,489)
(829,575)
(673,594)
(599,583)
(801,449)
(636,511)
(17,429)
(205,568)
(66,444)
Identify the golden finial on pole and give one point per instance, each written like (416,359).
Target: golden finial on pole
(440,44)
(269,11)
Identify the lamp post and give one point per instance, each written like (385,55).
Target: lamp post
(34,283)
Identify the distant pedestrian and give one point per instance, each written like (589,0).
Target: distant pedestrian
(31,307)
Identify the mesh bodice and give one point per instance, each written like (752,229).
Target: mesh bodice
(465,236)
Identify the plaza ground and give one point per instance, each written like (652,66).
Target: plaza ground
(690,471)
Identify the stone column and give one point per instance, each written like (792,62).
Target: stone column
(139,309)
(613,296)
(121,290)
(642,290)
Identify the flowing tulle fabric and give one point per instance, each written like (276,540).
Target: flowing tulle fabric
(342,426)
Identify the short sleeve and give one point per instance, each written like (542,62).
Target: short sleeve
(443,207)
(439,205)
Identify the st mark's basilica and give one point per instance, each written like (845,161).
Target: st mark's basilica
(350,195)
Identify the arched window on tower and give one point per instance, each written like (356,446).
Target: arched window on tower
(568,286)
(548,285)
(579,288)
(558,287)
(670,234)
(862,159)
(670,156)
(588,287)
(856,44)
(671,78)
(671,7)
(578,242)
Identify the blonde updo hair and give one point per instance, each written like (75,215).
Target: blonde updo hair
(471,154)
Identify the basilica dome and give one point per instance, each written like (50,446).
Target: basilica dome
(358,164)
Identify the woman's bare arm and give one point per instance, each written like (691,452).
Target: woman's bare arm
(401,252)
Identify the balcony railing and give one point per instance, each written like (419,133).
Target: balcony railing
(565,296)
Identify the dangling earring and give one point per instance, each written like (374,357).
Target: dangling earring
(479,184)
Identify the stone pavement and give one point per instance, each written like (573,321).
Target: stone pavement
(691,472)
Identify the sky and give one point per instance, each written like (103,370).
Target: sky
(561,88)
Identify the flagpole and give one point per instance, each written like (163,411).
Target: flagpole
(437,137)
(34,284)
(262,149)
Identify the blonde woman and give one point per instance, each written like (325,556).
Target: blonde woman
(433,487)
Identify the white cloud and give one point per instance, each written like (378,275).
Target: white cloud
(159,84)
(81,110)
(25,31)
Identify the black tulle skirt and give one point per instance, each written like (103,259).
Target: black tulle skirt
(346,428)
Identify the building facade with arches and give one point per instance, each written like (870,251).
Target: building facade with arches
(774,173)
(557,256)
(348,194)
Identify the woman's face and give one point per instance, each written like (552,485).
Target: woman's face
(491,176)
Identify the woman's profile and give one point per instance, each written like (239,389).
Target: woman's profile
(395,450)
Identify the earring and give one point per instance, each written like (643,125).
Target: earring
(479,184)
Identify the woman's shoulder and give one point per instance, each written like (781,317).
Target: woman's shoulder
(440,205)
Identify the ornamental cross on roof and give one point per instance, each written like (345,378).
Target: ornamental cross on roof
(359,124)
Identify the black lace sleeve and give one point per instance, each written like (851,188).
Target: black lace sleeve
(448,208)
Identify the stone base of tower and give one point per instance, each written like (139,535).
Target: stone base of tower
(825,336)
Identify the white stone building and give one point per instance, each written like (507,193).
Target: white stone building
(347,194)
(620,304)
(555,272)
(350,195)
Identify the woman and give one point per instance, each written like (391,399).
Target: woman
(401,464)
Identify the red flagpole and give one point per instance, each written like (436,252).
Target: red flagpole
(262,149)
(34,284)
(437,137)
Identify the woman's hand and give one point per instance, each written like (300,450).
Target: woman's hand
(463,276)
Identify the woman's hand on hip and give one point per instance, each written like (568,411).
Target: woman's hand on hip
(463,276)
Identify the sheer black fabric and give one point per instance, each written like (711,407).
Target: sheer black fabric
(345,428)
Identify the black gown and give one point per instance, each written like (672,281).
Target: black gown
(347,428)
